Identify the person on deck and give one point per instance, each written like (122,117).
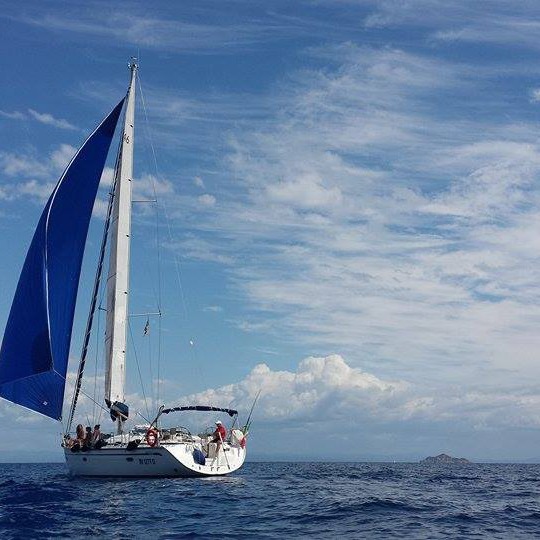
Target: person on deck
(219,434)
(80,434)
(68,441)
(97,441)
(88,439)
(76,444)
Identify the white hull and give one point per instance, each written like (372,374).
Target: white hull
(175,459)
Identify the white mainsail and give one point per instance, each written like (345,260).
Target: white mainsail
(118,277)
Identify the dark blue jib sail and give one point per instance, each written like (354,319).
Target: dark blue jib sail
(35,348)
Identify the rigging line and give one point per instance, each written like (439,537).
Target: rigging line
(138,367)
(81,391)
(159,363)
(98,325)
(157,175)
(168,224)
(89,323)
(103,346)
(160,317)
(156,293)
(149,339)
(98,341)
(143,417)
(158,244)
(95,292)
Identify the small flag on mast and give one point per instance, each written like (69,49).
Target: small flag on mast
(147,327)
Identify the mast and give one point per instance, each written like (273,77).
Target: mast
(118,278)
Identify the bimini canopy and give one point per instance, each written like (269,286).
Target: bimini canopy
(230,412)
(35,349)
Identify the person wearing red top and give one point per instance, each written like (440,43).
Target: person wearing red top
(219,435)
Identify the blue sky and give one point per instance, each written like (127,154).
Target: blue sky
(352,197)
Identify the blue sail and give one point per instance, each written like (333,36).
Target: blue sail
(35,349)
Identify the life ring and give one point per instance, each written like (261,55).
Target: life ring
(151,437)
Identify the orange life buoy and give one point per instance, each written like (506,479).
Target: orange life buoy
(151,437)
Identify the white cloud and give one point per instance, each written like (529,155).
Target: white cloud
(207,200)
(535,95)
(490,21)
(31,176)
(328,391)
(305,191)
(42,118)
(61,157)
(213,309)
(145,188)
(107,177)
(377,227)
(178,32)
(15,115)
(388,208)
(307,393)
(39,190)
(50,120)
(199,249)
(148,186)
(15,165)
(100,208)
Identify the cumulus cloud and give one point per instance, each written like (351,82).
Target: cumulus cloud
(327,390)
(320,388)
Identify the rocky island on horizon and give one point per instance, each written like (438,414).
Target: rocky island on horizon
(445,459)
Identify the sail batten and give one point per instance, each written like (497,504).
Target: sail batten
(35,348)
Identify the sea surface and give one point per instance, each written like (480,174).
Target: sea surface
(277,500)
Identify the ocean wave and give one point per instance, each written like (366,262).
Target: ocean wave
(279,500)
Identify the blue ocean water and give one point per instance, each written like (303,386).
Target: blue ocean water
(277,500)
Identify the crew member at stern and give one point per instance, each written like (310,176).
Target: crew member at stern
(219,434)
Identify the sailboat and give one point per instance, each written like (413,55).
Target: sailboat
(36,343)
